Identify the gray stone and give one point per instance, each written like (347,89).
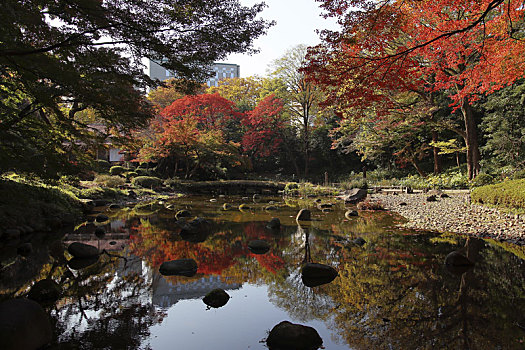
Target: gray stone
(23,325)
(271,208)
(244,207)
(82,263)
(226,206)
(101,218)
(182,214)
(291,336)
(314,274)
(354,195)
(44,291)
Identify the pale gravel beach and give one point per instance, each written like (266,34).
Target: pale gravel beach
(455,214)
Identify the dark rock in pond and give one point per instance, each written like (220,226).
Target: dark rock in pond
(25,249)
(114,206)
(82,263)
(226,206)
(354,195)
(216,298)
(326,205)
(88,205)
(44,291)
(244,207)
(291,336)
(23,325)
(182,214)
(100,232)
(318,200)
(327,210)
(314,274)
(271,208)
(213,200)
(196,230)
(274,224)
(403,204)
(112,242)
(256,197)
(350,213)
(457,263)
(81,250)
(259,246)
(101,218)
(359,241)
(181,267)
(304,215)
(444,195)
(90,219)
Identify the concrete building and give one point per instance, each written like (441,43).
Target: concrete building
(220,70)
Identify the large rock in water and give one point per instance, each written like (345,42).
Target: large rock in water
(82,251)
(259,246)
(181,267)
(274,224)
(196,231)
(354,195)
(291,336)
(23,325)
(304,215)
(216,298)
(314,275)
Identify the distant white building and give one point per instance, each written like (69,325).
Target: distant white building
(221,70)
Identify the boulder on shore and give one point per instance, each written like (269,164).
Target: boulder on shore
(351,213)
(291,336)
(354,195)
(24,325)
(181,267)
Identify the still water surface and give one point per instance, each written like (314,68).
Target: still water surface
(394,292)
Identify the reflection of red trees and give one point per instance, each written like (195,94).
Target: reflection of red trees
(213,256)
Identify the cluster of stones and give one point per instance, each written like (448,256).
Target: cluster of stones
(454,213)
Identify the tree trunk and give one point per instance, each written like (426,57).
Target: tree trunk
(306,139)
(473,156)
(418,168)
(437,158)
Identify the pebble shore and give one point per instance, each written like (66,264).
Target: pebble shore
(455,214)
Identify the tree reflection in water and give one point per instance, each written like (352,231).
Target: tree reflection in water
(393,292)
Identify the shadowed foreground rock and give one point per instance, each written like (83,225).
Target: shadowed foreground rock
(82,263)
(216,298)
(291,336)
(181,267)
(44,291)
(23,325)
(314,275)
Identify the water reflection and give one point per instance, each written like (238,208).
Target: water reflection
(392,292)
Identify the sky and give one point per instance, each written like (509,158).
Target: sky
(296,22)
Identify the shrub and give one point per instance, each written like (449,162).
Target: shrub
(147,181)
(130,175)
(109,181)
(355,183)
(291,188)
(482,179)
(117,170)
(520,174)
(102,165)
(101,193)
(143,172)
(508,194)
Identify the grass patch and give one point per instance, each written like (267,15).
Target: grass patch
(32,202)
(509,194)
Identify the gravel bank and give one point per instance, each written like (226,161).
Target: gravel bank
(455,214)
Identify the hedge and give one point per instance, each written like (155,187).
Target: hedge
(508,194)
(147,181)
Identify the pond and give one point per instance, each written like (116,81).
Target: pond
(392,290)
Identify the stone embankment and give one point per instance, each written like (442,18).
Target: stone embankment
(455,214)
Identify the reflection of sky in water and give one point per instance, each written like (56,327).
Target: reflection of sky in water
(242,324)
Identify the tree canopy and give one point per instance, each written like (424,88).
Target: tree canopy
(60,57)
